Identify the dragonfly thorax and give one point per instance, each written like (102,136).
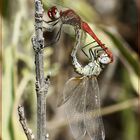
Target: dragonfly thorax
(91,69)
(71,18)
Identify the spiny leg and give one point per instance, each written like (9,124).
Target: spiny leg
(91,53)
(85,47)
(52,21)
(56,38)
(94,53)
(51,25)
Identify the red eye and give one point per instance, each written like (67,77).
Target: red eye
(54,9)
(49,14)
(53,12)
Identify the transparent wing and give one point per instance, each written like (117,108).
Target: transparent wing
(74,107)
(69,88)
(93,120)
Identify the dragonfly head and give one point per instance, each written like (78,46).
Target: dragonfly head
(104,59)
(53,13)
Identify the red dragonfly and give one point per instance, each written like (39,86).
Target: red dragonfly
(71,18)
(81,94)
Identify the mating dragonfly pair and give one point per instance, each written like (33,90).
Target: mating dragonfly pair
(81,96)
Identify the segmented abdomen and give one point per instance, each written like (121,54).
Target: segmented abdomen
(92,68)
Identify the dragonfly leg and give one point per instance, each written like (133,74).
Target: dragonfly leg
(56,38)
(91,54)
(84,53)
(94,53)
(86,47)
(51,22)
(50,25)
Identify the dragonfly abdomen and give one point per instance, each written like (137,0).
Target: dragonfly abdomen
(92,68)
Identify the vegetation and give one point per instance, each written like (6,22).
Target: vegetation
(118,83)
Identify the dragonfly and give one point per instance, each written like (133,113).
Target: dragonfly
(70,17)
(81,96)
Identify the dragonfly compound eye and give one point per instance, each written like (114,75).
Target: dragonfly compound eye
(104,59)
(55,13)
(50,14)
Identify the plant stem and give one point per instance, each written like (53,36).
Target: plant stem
(23,122)
(41,84)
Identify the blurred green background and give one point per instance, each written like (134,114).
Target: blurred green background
(115,23)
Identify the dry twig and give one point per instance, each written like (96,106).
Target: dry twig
(22,120)
(42,84)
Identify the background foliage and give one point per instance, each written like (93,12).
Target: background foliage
(115,22)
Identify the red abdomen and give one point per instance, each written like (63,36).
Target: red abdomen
(87,29)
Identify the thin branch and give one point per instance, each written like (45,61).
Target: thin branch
(42,84)
(23,122)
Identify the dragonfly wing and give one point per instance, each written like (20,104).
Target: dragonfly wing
(68,91)
(93,120)
(74,107)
